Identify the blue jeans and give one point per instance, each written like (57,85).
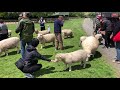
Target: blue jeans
(117,46)
(23,47)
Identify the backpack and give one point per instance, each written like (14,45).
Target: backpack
(28,30)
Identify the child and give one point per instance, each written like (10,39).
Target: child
(30,59)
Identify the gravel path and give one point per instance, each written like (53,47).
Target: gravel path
(109,53)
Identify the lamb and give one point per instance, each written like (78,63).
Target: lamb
(9,33)
(90,44)
(72,57)
(67,33)
(9,43)
(46,39)
(42,32)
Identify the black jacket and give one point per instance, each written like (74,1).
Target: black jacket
(107,25)
(32,56)
(116,28)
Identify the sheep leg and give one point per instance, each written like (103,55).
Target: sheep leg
(41,46)
(65,66)
(70,67)
(84,64)
(6,52)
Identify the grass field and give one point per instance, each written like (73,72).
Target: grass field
(96,67)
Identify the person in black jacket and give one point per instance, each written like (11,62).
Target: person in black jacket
(31,59)
(107,27)
(117,44)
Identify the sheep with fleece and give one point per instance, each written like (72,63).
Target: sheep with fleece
(90,44)
(46,39)
(42,32)
(97,36)
(67,33)
(72,57)
(9,43)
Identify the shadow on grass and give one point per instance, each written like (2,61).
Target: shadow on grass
(10,53)
(47,56)
(69,37)
(67,47)
(43,71)
(77,67)
(97,55)
(48,46)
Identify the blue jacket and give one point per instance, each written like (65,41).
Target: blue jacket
(57,26)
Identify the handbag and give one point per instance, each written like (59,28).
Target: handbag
(19,64)
(116,38)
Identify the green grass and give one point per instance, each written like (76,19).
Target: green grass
(96,68)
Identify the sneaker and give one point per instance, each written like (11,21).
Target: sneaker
(28,75)
(116,60)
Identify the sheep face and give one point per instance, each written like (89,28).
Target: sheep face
(40,36)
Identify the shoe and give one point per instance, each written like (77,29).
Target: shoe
(28,75)
(116,60)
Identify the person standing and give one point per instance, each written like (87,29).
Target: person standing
(58,23)
(42,23)
(3,30)
(25,29)
(116,21)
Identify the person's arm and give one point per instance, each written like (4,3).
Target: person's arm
(61,23)
(19,28)
(38,55)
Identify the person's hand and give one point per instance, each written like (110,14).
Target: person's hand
(111,36)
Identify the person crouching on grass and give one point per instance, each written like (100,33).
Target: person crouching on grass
(30,60)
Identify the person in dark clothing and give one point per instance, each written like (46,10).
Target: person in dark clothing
(107,27)
(58,23)
(97,24)
(3,30)
(42,23)
(117,44)
(31,59)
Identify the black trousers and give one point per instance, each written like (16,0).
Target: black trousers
(32,68)
(42,28)
(3,36)
(108,41)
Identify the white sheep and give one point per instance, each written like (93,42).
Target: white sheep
(9,33)
(72,57)
(42,32)
(90,44)
(67,33)
(9,43)
(46,39)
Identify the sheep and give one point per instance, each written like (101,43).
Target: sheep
(46,39)
(42,32)
(67,33)
(97,36)
(9,43)
(69,58)
(82,38)
(9,33)
(90,44)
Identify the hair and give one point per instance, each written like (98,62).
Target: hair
(26,14)
(1,21)
(35,42)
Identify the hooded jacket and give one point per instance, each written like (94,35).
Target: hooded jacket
(31,56)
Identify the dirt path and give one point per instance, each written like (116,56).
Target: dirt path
(109,53)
